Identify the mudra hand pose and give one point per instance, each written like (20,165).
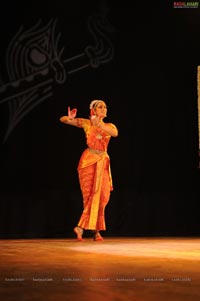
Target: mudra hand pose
(94,167)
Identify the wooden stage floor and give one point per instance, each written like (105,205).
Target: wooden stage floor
(119,268)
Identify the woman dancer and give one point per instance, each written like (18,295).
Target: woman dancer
(94,167)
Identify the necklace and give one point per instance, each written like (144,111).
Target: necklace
(97,132)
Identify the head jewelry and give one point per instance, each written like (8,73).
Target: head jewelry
(94,103)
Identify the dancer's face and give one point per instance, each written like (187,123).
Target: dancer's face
(101,109)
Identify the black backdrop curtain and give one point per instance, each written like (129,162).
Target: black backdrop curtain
(142,61)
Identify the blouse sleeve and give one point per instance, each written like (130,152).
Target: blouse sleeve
(83,123)
(112,125)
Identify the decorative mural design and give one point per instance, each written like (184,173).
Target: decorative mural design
(35,61)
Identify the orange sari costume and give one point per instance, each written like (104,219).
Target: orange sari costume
(94,176)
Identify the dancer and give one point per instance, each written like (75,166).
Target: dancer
(94,167)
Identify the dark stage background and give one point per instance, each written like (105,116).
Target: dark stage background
(142,61)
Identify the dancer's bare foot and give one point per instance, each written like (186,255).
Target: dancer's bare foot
(79,232)
(97,236)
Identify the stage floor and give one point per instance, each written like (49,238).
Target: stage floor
(119,268)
